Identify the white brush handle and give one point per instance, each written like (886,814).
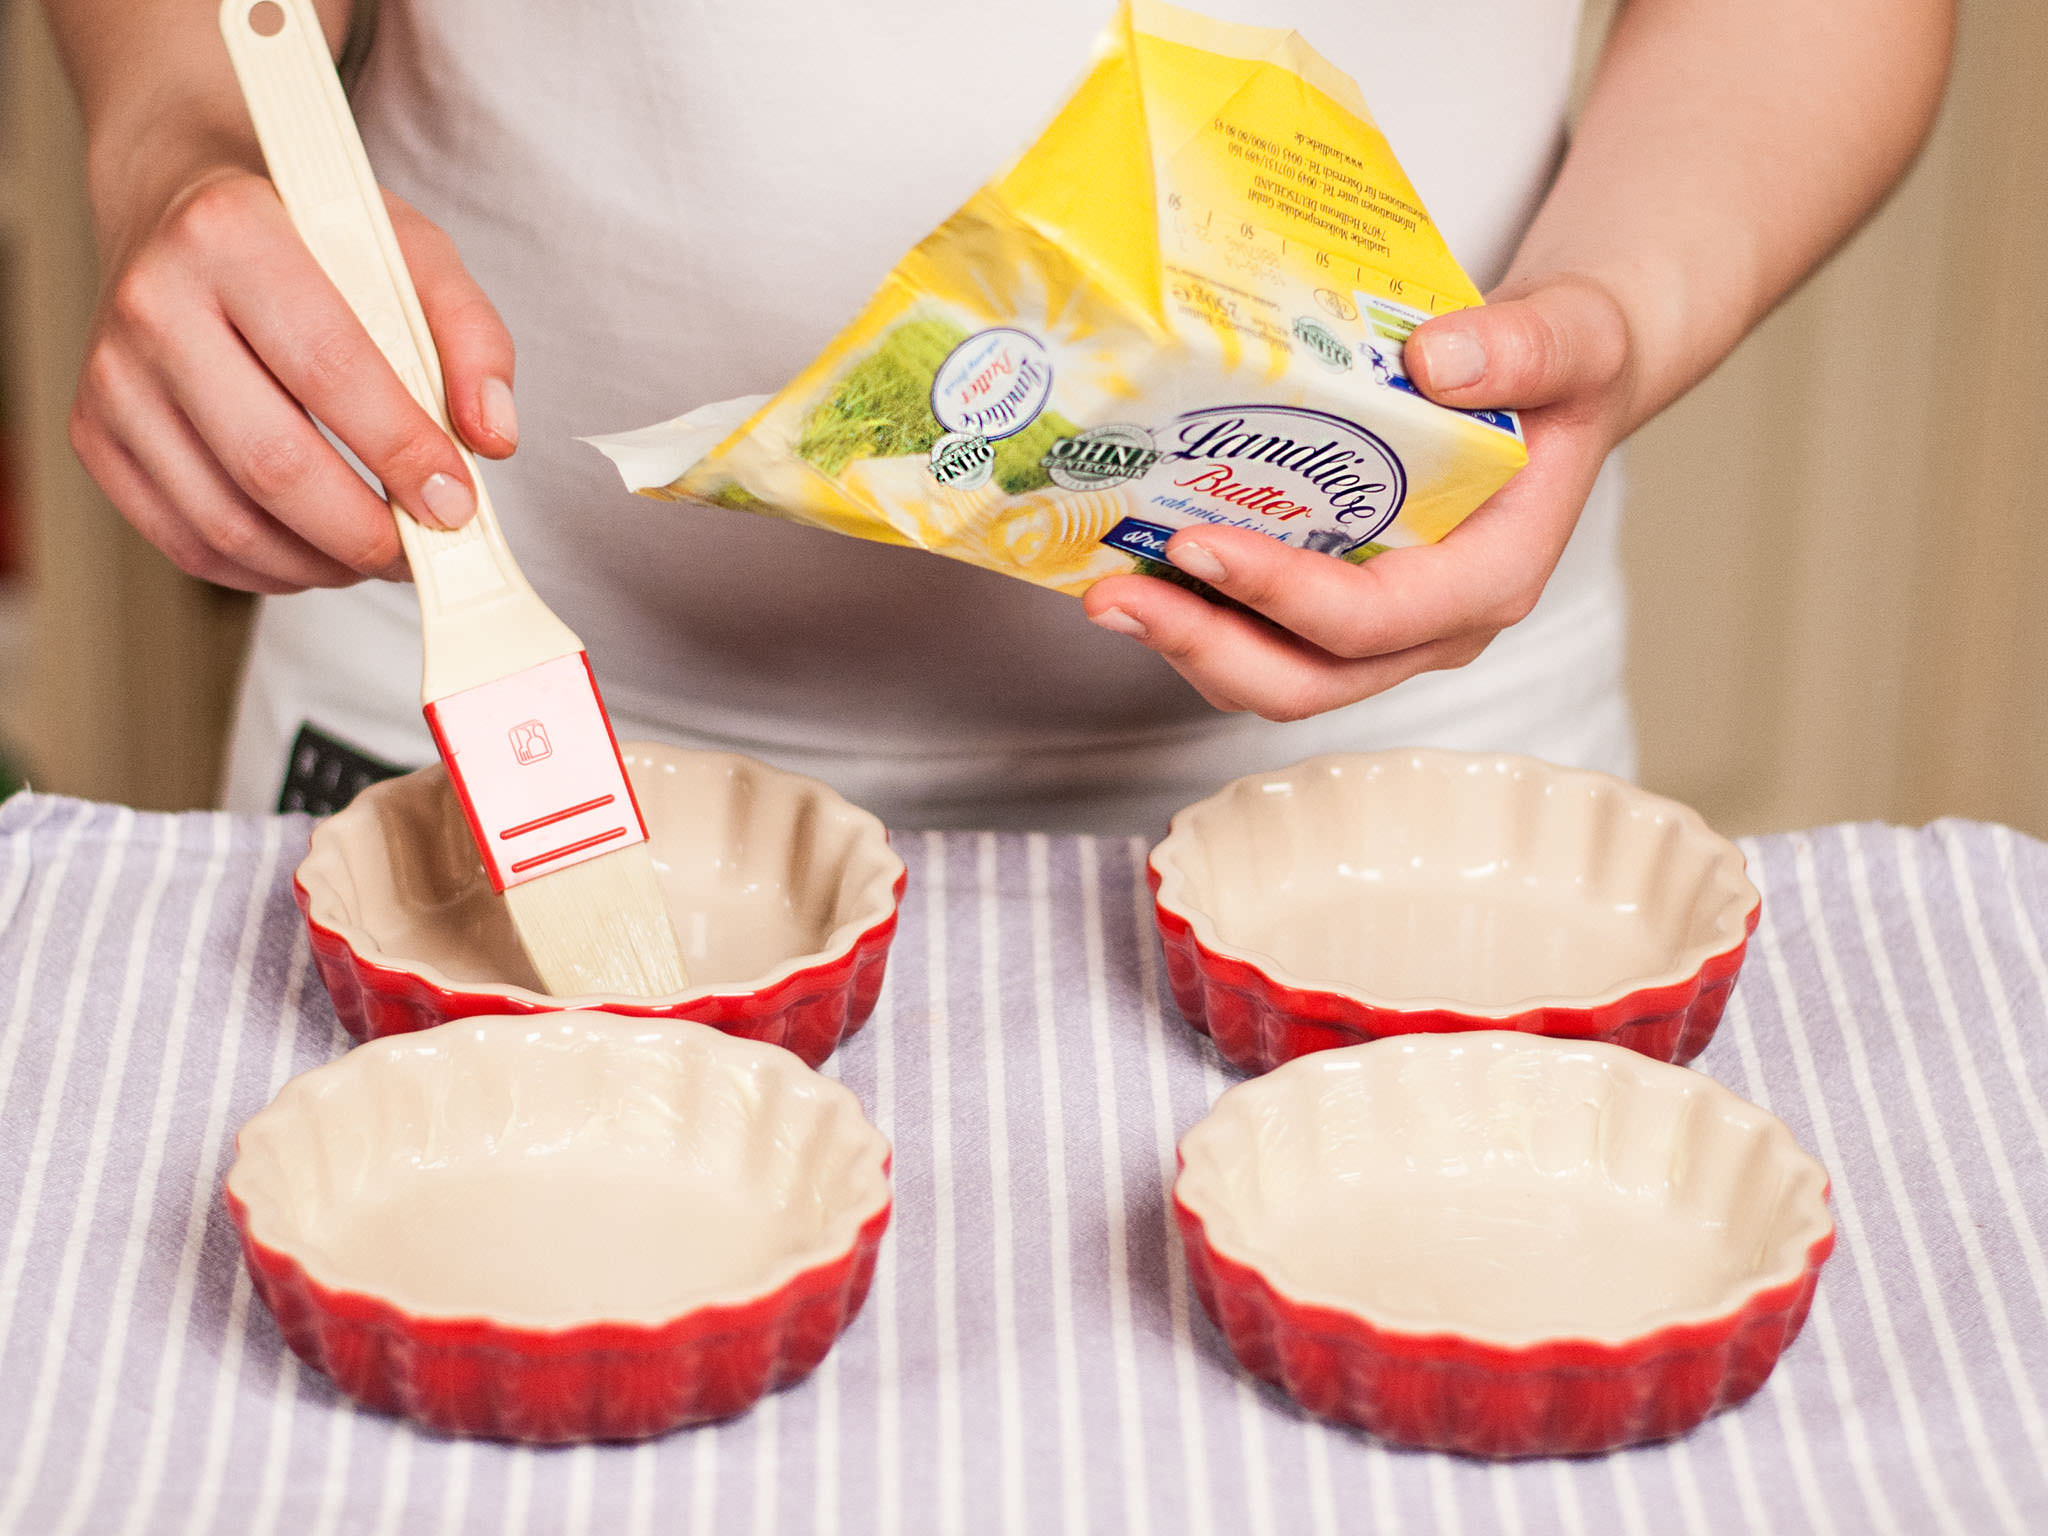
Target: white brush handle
(480,618)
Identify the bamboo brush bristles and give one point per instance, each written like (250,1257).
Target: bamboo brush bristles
(599,926)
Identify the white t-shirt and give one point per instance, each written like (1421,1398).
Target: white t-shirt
(673,204)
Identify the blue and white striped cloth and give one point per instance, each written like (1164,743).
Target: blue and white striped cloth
(1030,1359)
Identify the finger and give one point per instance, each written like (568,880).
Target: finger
(179,464)
(475,347)
(152,515)
(1220,702)
(1235,657)
(1481,578)
(274,453)
(173,454)
(298,325)
(1564,339)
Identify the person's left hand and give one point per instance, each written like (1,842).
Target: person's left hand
(1558,350)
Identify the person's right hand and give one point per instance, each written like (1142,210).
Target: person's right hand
(219,339)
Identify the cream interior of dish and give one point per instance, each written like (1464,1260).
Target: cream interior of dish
(545,1173)
(1503,1185)
(758,868)
(1435,879)
(1515,1256)
(1489,943)
(557,1240)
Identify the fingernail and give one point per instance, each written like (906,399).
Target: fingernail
(449,502)
(1198,561)
(1453,358)
(1120,622)
(501,419)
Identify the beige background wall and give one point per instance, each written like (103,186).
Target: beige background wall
(1838,545)
(128,661)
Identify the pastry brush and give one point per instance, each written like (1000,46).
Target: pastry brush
(507,687)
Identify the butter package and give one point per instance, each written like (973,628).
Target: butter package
(1184,304)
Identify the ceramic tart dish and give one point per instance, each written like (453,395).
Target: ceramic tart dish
(1501,1245)
(1359,895)
(575,1227)
(783,894)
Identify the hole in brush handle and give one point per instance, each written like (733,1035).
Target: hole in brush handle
(266,18)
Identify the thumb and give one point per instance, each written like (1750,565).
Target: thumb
(1565,337)
(475,347)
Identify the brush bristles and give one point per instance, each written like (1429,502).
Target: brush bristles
(599,926)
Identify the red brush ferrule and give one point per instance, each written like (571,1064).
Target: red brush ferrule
(536,769)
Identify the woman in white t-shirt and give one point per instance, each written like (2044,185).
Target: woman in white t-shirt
(674,204)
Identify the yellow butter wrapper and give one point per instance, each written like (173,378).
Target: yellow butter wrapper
(1184,304)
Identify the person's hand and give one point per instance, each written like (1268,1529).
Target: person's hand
(219,339)
(1334,633)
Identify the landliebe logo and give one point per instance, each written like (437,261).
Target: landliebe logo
(993,384)
(1298,468)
